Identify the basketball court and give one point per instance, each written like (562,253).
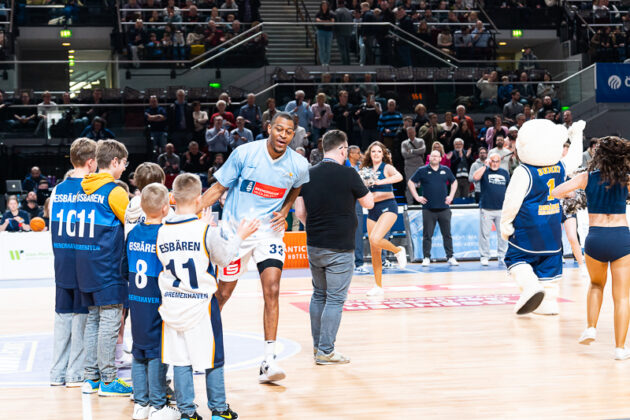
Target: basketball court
(442,343)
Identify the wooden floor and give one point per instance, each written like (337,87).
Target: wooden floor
(456,361)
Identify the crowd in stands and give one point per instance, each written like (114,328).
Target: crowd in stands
(173,30)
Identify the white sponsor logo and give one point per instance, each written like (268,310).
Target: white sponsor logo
(614,82)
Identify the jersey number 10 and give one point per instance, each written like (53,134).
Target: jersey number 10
(71,226)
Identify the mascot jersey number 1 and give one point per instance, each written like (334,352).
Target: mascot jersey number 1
(531,217)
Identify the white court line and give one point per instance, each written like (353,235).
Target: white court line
(31,356)
(86,402)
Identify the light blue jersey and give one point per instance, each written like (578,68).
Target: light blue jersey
(259,185)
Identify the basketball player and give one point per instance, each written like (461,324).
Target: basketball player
(141,267)
(70,315)
(192,334)
(608,242)
(264,179)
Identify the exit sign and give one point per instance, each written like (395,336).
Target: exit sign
(517,33)
(65,33)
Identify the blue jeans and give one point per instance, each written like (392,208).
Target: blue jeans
(185,390)
(101,334)
(324,41)
(68,355)
(332,273)
(343,42)
(149,382)
(358,237)
(316,134)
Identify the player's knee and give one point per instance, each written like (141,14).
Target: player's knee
(272,291)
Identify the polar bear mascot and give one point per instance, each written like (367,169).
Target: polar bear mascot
(531,217)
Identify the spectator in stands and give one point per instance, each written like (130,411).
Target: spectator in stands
(179,47)
(98,130)
(24,116)
(445,41)
(388,122)
(195,162)
(514,107)
(43,191)
(4,112)
(326,87)
(192,15)
(131,16)
(169,161)
(322,116)
(481,161)
(432,131)
(528,61)
(367,35)
(481,41)
(270,112)
(462,117)
(195,40)
(520,119)
(324,32)
(217,162)
(302,108)
(587,156)
(343,33)
(435,204)
(180,121)
(445,161)
(228,7)
(228,118)
(462,41)
(43,108)
(547,107)
(252,114)
(412,150)
(317,154)
(493,181)
(618,44)
(421,116)
(526,89)
(155,121)
(31,182)
(218,138)
(504,91)
(567,119)
(497,129)
(461,160)
(449,127)
(300,137)
(488,87)
(240,135)
(233,30)
(405,23)
(424,33)
(501,151)
(14,219)
(200,123)
(343,112)
(154,48)
(29,205)
(546,88)
(213,36)
(301,151)
(367,119)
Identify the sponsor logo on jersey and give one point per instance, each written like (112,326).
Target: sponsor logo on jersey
(232,269)
(262,190)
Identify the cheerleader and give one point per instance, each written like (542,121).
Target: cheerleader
(606,184)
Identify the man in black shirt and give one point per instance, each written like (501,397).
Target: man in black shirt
(342,114)
(326,207)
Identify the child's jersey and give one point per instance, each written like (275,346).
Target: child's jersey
(259,185)
(62,229)
(135,215)
(144,291)
(537,226)
(189,251)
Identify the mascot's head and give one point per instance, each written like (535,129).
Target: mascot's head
(539,142)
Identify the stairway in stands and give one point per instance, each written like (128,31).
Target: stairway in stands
(287,43)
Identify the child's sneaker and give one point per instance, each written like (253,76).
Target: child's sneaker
(191,417)
(77,384)
(90,386)
(226,414)
(116,388)
(165,413)
(140,412)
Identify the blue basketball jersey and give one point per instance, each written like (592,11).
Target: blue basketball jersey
(62,231)
(380,173)
(537,226)
(144,291)
(99,238)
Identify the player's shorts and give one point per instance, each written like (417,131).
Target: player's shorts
(68,301)
(607,244)
(545,266)
(382,207)
(200,347)
(260,250)
(116,294)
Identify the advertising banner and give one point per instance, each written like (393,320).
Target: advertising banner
(26,255)
(612,82)
(295,250)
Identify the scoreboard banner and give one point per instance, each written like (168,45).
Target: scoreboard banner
(26,255)
(612,82)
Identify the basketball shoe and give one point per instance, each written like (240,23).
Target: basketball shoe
(334,358)
(194,416)
(484,261)
(270,371)
(387,264)
(426,262)
(116,388)
(225,414)
(90,386)
(453,261)
(165,413)
(401,257)
(361,270)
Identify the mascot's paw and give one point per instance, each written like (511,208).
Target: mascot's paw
(507,230)
(532,291)
(549,305)
(576,130)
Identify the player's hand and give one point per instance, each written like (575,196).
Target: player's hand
(278,221)
(247,227)
(207,217)
(423,200)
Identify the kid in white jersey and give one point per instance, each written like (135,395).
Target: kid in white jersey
(192,335)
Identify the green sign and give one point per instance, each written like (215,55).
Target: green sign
(517,33)
(65,33)
(214,85)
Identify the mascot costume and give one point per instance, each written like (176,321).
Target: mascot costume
(531,217)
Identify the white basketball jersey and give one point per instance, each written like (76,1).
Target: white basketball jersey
(188,281)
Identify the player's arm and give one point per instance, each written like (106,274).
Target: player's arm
(118,201)
(300,210)
(573,159)
(277,223)
(223,251)
(514,196)
(211,196)
(564,190)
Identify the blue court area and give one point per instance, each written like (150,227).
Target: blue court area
(25,360)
